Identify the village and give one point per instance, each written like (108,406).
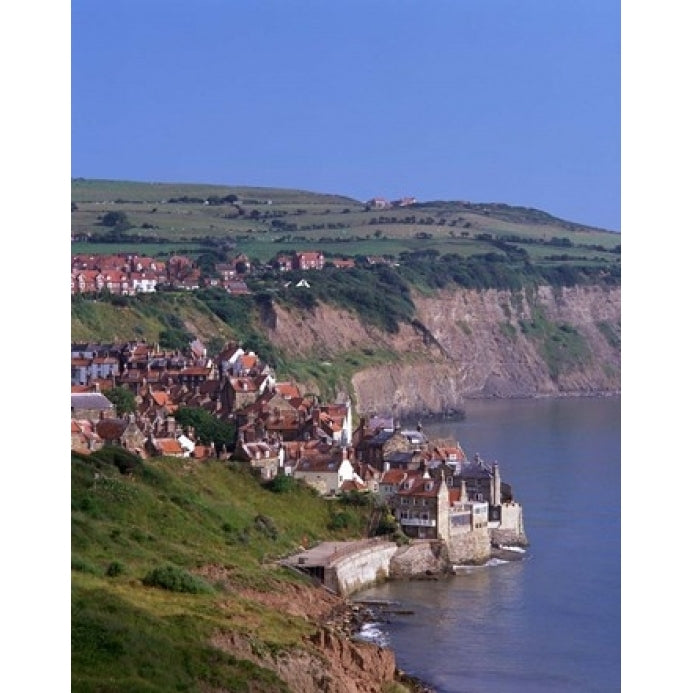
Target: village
(433,489)
(123,274)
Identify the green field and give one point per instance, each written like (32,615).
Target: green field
(264,221)
(163,557)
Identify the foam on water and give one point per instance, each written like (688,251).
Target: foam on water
(489,564)
(372,633)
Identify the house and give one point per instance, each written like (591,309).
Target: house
(325,471)
(379,203)
(346,263)
(308,260)
(143,282)
(284,263)
(390,482)
(303,283)
(165,447)
(84,437)
(92,406)
(427,508)
(265,458)
(334,421)
(382,447)
(405,202)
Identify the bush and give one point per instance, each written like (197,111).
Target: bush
(282,484)
(176,580)
(125,461)
(115,568)
(339,521)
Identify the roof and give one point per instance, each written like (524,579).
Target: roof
(419,489)
(168,446)
(111,429)
(322,465)
(90,400)
(287,390)
(394,476)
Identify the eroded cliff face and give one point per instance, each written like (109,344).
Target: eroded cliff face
(328,661)
(467,343)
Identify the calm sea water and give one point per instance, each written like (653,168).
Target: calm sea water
(551,622)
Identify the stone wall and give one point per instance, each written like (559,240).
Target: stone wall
(360,569)
(471,548)
(419,558)
(510,531)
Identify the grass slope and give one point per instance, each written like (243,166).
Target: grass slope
(181,516)
(266,221)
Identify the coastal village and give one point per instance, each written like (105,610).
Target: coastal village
(123,274)
(434,490)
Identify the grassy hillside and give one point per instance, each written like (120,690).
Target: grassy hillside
(171,217)
(163,557)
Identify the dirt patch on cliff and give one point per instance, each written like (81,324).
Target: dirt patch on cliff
(313,603)
(327,661)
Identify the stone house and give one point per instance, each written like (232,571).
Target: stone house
(326,471)
(265,458)
(92,406)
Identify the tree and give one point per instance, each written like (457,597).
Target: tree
(208,428)
(118,221)
(123,400)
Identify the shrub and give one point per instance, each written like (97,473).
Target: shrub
(339,521)
(115,568)
(82,566)
(176,580)
(282,484)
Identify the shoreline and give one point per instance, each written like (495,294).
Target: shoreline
(411,418)
(363,612)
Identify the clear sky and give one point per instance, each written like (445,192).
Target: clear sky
(482,100)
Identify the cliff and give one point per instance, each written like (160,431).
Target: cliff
(468,343)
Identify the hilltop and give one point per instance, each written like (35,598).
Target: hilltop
(262,222)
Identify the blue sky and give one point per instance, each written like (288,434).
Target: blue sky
(481,100)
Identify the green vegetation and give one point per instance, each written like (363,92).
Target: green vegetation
(161,553)
(563,347)
(123,399)
(430,246)
(208,428)
(264,221)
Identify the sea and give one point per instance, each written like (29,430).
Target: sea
(551,621)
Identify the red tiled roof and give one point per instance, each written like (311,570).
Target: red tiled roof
(394,476)
(196,370)
(287,390)
(168,446)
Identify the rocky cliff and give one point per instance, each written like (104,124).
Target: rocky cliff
(467,343)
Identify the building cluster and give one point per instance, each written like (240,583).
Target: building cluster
(124,274)
(236,386)
(383,203)
(127,275)
(433,489)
